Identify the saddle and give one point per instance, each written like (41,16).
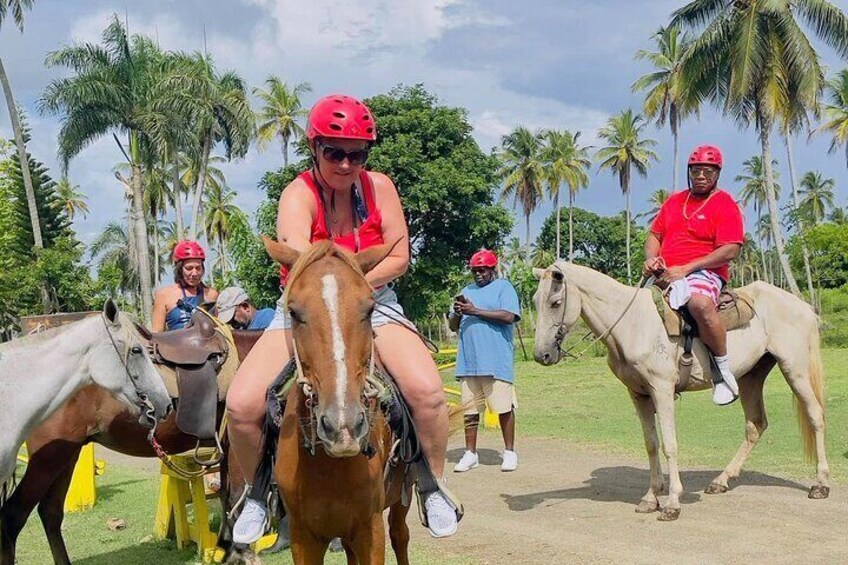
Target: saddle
(193,358)
(735,308)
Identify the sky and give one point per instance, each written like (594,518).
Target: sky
(539,63)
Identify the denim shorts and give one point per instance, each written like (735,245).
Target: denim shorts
(387,311)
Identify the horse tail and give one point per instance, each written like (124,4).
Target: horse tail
(815,373)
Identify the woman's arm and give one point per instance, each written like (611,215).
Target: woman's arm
(294,215)
(160,304)
(394,230)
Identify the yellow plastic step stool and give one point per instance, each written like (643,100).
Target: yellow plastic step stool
(176,494)
(82,494)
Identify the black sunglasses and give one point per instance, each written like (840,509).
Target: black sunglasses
(476,270)
(337,154)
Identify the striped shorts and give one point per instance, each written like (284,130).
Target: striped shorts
(706,283)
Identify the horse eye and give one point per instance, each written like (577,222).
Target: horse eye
(557,303)
(136,350)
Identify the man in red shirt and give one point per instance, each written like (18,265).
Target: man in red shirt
(692,241)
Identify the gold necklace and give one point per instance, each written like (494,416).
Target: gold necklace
(701,207)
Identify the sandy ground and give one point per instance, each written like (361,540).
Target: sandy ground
(565,505)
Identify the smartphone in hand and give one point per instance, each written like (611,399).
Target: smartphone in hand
(460,298)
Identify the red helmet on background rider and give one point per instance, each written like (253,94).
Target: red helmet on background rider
(187,249)
(706,155)
(484,258)
(341,116)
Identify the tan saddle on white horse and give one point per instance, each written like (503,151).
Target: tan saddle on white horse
(735,308)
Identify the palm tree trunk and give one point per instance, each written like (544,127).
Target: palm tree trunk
(760,244)
(527,236)
(771,199)
(178,198)
(627,231)
(805,252)
(674,186)
(200,187)
(285,151)
(556,205)
(155,252)
(570,225)
(22,156)
(139,226)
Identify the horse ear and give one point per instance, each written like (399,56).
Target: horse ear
(110,311)
(371,257)
(538,273)
(280,252)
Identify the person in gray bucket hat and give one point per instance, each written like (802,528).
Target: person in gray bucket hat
(235,308)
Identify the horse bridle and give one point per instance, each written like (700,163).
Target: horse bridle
(147,407)
(373,390)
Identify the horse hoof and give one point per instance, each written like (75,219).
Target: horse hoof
(645,507)
(669,515)
(715,488)
(818,492)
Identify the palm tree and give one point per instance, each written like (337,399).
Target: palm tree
(753,60)
(221,113)
(111,90)
(113,249)
(17,7)
(656,201)
(753,192)
(566,162)
(523,172)
(836,112)
(666,98)
(71,199)
(219,212)
(625,151)
(817,197)
(280,114)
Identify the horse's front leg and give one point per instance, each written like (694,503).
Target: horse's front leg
(369,542)
(663,396)
(306,548)
(645,409)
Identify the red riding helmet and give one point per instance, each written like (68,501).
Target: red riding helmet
(706,155)
(341,116)
(188,249)
(484,258)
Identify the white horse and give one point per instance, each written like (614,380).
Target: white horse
(784,330)
(39,372)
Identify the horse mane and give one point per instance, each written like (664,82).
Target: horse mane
(320,250)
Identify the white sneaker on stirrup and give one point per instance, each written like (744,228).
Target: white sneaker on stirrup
(441,517)
(250,524)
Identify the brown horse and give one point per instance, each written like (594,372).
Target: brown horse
(92,415)
(336,489)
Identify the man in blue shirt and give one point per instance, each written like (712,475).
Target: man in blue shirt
(235,308)
(484,314)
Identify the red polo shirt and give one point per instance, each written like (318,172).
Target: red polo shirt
(705,226)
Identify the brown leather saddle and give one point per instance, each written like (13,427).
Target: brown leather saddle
(196,353)
(735,308)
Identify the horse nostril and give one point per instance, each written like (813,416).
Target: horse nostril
(546,357)
(360,427)
(326,427)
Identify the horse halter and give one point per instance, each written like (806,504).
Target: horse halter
(372,391)
(562,331)
(132,352)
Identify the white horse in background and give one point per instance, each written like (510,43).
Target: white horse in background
(39,372)
(784,331)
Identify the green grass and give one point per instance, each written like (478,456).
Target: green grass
(583,402)
(131,495)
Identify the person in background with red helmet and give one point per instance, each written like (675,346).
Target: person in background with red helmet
(484,314)
(173,304)
(337,199)
(692,241)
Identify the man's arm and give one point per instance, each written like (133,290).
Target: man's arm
(494,316)
(652,251)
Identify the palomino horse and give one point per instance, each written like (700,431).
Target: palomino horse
(92,415)
(337,491)
(784,331)
(39,372)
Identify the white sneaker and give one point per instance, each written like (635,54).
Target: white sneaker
(722,395)
(510,461)
(441,517)
(251,522)
(469,461)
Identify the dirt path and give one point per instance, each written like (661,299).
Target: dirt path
(564,505)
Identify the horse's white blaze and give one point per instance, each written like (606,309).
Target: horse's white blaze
(330,293)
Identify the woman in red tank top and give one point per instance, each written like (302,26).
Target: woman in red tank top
(338,199)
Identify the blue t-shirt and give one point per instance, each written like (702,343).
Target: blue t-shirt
(485,348)
(262,319)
